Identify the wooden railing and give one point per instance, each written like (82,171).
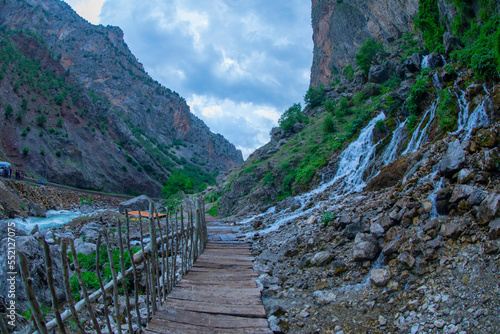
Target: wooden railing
(180,235)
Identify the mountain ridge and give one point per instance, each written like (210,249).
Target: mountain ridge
(150,124)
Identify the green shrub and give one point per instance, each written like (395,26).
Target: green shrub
(380,126)
(58,153)
(9,110)
(342,108)
(25,150)
(367,53)
(292,116)
(348,72)
(60,122)
(315,96)
(330,105)
(447,111)
(177,182)
(41,120)
(328,124)
(428,22)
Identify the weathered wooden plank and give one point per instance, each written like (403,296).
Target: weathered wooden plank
(158,327)
(209,320)
(248,311)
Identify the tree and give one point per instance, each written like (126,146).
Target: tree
(315,96)
(366,54)
(9,110)
(292,116)
(177,182)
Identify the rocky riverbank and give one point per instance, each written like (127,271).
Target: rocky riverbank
(418,254)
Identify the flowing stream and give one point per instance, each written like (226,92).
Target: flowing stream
(54,219)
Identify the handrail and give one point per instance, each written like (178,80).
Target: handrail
(189,241)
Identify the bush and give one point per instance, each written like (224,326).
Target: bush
(315,96)
(9,111)
(342,108)
(330,106)
(447,111)
(328,124)
(292,116)
(367,54)
(175,183)
(41,120)
(58,153)
(428,23)
(25,150)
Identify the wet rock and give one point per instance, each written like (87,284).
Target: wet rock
(322,258)
(391,248)
(434,60)
(426,205)
(453,160)
(494,226)
(452,230)
(488,208)
(36,210)
(477,196)
(380,277)
(377,230)
(353,229)
(464,175)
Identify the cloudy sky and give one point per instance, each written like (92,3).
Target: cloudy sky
(238,63)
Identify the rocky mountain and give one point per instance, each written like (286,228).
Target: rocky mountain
(376,208)
(78,108)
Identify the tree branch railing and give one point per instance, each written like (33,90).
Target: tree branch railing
(183,239)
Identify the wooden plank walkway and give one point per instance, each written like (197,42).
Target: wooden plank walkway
(218,295)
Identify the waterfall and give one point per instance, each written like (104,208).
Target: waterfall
(391,152)
(420,134)
(356,158)
(433,196)
(477,118)
(463,113)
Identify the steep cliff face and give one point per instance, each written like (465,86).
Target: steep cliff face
(149,125)
(339,28)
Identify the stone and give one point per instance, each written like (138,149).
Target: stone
(377,230)
(353,229)
(461,191)
(36,210)
(413,63)
(453,160)
(464,175)
(439,323)
(86,209)
(322,258)
(434,60)
(485,138)
(452,230)
(406,259)
(90,232)
(311,220)
(378,74)
(494,226)
(488,208)
(85,248)
(391,247)
(426,205)
(365,250)
(324,297)
(381,320)
(140,203)
(477,196)
(380,277)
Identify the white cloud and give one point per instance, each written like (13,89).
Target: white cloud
(243,123)
(88,9)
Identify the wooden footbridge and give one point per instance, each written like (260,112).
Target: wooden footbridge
(218,295)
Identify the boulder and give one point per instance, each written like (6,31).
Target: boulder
(322,258)
(453,160)
(36,210)
(380,277)
(406,259)
(365,250)
(7,230)
(90,232)
(86,209)
(85,248)
(452,230)
(377,230)
(323,297)
(477,196)
(378,74)
(494,228)
(140,203)
(464,175)
(433,61)
(413,63)
(488,208)
(461,191)
(311,220)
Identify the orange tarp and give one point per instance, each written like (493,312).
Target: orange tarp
(146,214)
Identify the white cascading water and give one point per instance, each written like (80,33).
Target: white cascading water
(478,117)
(356,158)
(353,162)
(419,136)
(463,114)
(391,152)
